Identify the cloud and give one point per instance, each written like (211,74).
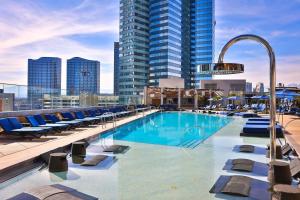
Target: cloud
(29,30)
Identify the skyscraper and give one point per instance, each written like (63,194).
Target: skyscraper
(83,76)
(44,77)
(162,39)
(116,68)
(134,49)
(202,37)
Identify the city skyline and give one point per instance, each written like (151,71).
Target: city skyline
(35,35)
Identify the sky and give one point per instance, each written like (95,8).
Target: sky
(88,28)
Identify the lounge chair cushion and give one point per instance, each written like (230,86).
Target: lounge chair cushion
(260,131)
(238,185)
(40,119)
(242,186)
(6,125)
(94,161)
(116,148)
(52,192)
(259,119)
(15,122)
(247,148)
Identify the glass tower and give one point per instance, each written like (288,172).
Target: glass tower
(134,50)
(165,40)
(202,37)
(44,77)
(116,68)
(83,76)
(161,39)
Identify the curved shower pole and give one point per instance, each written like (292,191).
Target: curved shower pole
(270,51)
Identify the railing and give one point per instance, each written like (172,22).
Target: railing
(21,97)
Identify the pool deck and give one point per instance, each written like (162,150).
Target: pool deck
(292,128)
(14,152)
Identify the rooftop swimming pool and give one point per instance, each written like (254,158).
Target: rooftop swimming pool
(153,167)
(179,129)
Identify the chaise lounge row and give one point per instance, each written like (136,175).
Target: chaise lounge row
(40,125)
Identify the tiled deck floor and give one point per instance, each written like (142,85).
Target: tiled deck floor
(13,152)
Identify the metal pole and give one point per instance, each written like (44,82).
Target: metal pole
(272,83)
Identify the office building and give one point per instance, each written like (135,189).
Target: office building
(163,39)
(7,102)
(134,49)
(83,76)
(249,88)
(226,87)
(116,68)
(44,77)
(259,89)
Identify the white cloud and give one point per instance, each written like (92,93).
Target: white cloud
(29,31)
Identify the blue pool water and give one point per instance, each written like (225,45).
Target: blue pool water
(171,129)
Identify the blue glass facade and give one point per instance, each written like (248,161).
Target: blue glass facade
(83,76)
(116,68)
(44,77)
(165,40)
(202,37)
(161,39)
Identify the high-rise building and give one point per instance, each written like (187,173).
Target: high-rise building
(202,38)
(83,76)
(44,77)
(162,39)
(259,88)
(134,49)
(249,88)
(116,68)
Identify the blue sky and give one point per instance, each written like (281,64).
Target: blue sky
(88,28)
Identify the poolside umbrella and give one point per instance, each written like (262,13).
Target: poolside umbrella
(286,94)
(234,98)
(255,97)
(264,97)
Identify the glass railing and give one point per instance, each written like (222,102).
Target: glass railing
(21,97)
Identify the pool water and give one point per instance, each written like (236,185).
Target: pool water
(171,129)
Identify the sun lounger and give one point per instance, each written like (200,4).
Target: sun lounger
(69,117)
(79,115)
(242,186)
(9,128)
(35,123)
(257,123)
(259,119)
(94,161)
(260,131)
(54,119)
(246,165)
(57,192)
(116,149)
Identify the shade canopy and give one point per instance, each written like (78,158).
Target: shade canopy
(287,94)
(220,68)
(234,98)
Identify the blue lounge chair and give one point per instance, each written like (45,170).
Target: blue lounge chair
(54,119)
(79,115)
(68,116)
(259,119)
(260,131)
(9,128)
(36,123)
(257,123)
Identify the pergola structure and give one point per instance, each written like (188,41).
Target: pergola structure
(182,97)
